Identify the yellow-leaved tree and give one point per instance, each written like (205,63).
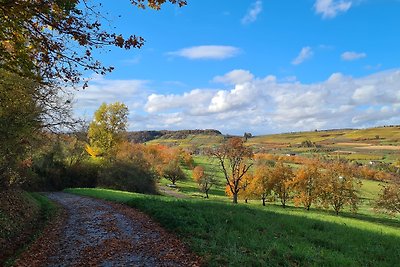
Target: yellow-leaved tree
(307,185)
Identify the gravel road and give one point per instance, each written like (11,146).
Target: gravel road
(92,232)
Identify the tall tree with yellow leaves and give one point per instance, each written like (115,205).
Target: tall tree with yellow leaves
(307,185)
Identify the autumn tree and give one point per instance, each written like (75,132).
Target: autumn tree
(340,187)
(281,181)
(245,184)
(187,159)
(234,158)
(261,185)
(108,127)
(26,109)
(203,179)
(307,185)
(54,40)
(389,198)
(173,172)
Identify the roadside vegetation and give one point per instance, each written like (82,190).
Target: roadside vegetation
(22,217)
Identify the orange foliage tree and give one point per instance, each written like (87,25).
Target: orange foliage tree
(389,199)
(187,159)
(340,187)
(307,185)
(281,180)
(261,185)
(234,158)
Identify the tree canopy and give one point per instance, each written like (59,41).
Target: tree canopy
(54,40)
(233,157)
(108,126)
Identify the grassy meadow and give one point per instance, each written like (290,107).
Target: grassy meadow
(252,235)
(249,234)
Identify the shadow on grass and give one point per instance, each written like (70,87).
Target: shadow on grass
(240,235)
(381,219)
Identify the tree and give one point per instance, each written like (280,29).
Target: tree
(281,180)
(187,159)
(204,180)
(19,120)
(261,185)
(108,127)
(173,172)
(247,136)
(25,109)
(54,40)
(340,187)
(389,198)
(307,184)
(233,157)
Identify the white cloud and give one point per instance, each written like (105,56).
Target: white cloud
(207,52)
(234,77)
(131,92)
(264,105)
(255,104)
(331,8)
(253,12)
(305,53)
(350,56)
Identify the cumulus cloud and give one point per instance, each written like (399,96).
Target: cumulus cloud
(305,53)
(207,52)
(252,13)
(131,92)
(266,105)
(256,104)
(234,77)
(331,8)
(350,56)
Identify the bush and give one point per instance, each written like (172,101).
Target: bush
(128,176)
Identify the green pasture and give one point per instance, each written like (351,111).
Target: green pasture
(252,235)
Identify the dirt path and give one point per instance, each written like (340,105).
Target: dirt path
(169,192)
(97,233)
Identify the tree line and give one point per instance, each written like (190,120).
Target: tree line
(327,184)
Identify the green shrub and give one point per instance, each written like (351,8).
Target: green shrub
(128,176)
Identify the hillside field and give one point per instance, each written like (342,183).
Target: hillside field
(252,235)
(362,145)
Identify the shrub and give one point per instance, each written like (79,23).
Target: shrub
(128,176)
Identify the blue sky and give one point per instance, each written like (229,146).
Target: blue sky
(263,66)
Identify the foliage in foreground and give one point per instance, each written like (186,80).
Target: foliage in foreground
(243,235)
(22,215)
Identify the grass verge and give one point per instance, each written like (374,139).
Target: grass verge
(245,235)
(22,218)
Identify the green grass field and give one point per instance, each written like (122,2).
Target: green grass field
(252,235)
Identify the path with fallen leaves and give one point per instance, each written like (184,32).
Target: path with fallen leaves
(91,232)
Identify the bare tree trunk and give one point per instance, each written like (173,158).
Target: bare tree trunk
(235,198)
(263,201)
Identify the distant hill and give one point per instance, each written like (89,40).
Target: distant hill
(145,136)
(361,145)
